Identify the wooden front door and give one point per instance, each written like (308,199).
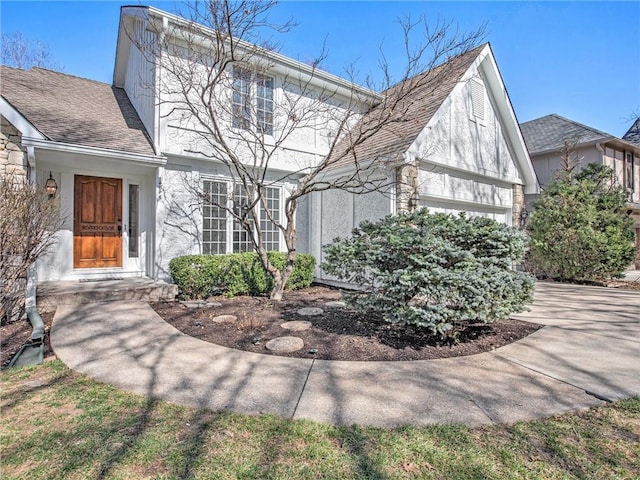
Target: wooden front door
(97,222)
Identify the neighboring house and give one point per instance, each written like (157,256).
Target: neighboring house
(633,134)
(119,155)
(546,136)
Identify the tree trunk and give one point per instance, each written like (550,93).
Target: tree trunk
(280,280)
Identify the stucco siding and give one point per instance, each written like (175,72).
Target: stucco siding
(338,213)
(178,217)
(457,138)
(304,119)
(465,162)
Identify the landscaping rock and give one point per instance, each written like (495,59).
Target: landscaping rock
(335,304)
(224,319)
(284,344)
(297,325)
(310,311)
(200,303)
(194,303)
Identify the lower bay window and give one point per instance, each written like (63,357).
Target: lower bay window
(221,232)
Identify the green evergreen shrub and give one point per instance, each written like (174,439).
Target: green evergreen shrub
(579,227)
(199,276)
(433,270)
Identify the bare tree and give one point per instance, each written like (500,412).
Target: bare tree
(569,156)
(29,220)
(20,52)
(214,66)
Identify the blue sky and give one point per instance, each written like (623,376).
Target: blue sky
(578,59)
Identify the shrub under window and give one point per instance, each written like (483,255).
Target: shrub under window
(200,276)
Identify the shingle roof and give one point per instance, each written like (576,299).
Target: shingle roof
(75,110)
(633,134)
(406,110)
(549,133)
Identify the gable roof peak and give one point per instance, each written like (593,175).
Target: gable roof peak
(549,133)
(633,134)
(75,110)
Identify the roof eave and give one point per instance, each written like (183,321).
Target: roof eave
(24,126)
(310,73)
(140,158)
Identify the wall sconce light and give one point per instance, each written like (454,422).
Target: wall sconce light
(524,216)
(51,186)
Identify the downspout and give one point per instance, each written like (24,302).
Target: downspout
(32,276)
(601,149)
(32,352)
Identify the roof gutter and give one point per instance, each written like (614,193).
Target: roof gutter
(151,160)
(600,141)
(309,72)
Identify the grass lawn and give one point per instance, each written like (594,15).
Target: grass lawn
(59,424)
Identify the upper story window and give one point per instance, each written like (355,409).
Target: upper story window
(629,171)
(252,101)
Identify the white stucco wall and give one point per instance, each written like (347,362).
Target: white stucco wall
(306,117)
(466,162)
(336,213)
(179,220)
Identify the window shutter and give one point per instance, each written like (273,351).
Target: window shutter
(477,99)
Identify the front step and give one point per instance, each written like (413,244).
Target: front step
(51,294)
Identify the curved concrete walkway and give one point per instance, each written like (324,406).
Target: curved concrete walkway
(588,353)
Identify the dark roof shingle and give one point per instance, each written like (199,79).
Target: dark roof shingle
(404,113)
(548,133)
(75,110)
(633,134)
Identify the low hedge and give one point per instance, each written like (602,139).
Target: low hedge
(200,276)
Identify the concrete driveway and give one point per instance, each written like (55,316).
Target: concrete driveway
(587,354)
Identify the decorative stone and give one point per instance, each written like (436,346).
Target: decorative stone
(200,303)
(335,304)
(296,325)
(310,311)
(194,303)
(224,319)
(285,344)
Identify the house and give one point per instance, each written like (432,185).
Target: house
(465,153)
(125,155)
(547,136)
(633,134)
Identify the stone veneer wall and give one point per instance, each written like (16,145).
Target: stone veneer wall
(406,188)
(518,206)
(12,157)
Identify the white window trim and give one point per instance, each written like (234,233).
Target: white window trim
(253,86)
(229,220)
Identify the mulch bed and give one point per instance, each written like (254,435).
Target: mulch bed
(336,334)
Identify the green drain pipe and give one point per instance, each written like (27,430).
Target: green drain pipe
(31,353)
